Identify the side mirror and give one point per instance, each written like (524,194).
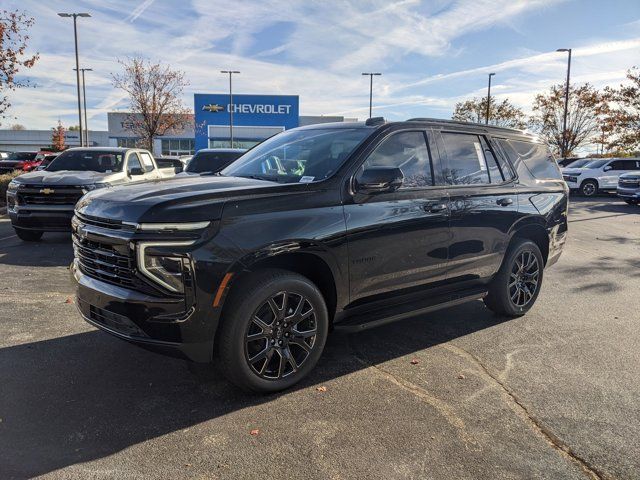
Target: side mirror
(136,171)
(607,168)
(379,180)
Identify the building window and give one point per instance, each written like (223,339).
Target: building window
(224,143)
(128,142)
(178,146)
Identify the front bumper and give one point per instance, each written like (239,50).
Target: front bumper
(630,193)
(159,324)
(47,218)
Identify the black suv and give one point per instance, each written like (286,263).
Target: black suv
(343,226)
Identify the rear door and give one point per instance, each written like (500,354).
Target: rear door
(399,240)
(484,204)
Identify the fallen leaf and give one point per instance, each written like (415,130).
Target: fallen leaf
(415,361)
(322,389)
(254,432)
(461,377)
(187,464)
(68,300)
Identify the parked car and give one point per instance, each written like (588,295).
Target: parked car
(43,200)
(170,162)
(565,162)
(4,155)
(599,175)
(345,226)
(212,160)
(629,188)
(579,163)
(18,161)
(48,158)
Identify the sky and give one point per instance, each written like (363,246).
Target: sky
(431,53)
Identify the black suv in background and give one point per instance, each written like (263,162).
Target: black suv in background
(347,226)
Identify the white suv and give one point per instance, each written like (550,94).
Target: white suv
(598,175)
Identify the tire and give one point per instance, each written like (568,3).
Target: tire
(28,235)
(631,202)
(272,361)
(510,290)
(589,188)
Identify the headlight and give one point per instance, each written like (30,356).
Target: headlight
(13,186)
(94,186)
(165,270)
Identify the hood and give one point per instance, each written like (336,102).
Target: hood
(572,171)
(186,199)
(630,176)
(64,177)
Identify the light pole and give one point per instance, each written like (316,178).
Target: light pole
(84,101)
(75,37)
(230,72)
(371,75)
(486,121)
(566,103)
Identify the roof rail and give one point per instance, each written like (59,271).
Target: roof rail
(457,122)
(374,121)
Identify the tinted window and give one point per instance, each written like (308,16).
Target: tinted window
(168,163)
(147,161)
(103,161)
(299,155)
(578,163)
(467,162)
(211,162)
(407,151)
(596,164)
(22,156)
(134,162)
(623,165)
(536,157)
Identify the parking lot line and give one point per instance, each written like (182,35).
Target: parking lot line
(7,238)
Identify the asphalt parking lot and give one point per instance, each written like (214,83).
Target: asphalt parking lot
(456,394)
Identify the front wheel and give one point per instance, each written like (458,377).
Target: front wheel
(589,188)
(515,287)
(28,235)
(274,329)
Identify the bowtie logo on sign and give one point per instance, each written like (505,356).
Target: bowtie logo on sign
(213,108)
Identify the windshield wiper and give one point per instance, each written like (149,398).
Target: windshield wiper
(259,177)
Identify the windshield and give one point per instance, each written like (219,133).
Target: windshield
(299,155)
(579,163)
(103,161)
(22,156)
(211,162)
(595,163)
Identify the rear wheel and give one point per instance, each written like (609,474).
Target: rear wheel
(515,287)
(589,188)
(28,235)
(273,332)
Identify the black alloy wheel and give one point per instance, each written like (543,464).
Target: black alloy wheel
(589,188)
(280,336)
(524,276)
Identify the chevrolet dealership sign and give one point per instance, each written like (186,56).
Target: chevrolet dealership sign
(248,111)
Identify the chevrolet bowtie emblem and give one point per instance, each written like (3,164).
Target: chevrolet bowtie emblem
(213,107)
(47,191)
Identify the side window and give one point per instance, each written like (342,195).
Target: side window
(134,161)
(623,165)
(147,162)
(536,157)
(496,174)
(408,151)
(467,162)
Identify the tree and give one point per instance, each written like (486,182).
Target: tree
(585,119)
(57,138)
(17,126)
(623,119)
(13,45)
(74,128)
(155,96)
(503,114)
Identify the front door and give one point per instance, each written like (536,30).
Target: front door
(484,205)
(398,240)
(612,172)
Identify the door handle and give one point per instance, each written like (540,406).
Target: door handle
(504,202)
(435,207)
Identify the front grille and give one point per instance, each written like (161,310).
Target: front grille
(105,262)
(631,183)
(104,222)
(49,195)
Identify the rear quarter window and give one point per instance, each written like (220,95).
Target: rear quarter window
(535,156)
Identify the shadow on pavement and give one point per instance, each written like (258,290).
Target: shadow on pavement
(86,396)
(54,250)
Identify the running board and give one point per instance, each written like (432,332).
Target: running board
(365,321)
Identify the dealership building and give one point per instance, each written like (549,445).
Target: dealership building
(255,117)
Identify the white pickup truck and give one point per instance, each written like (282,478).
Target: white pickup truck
(44,200)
